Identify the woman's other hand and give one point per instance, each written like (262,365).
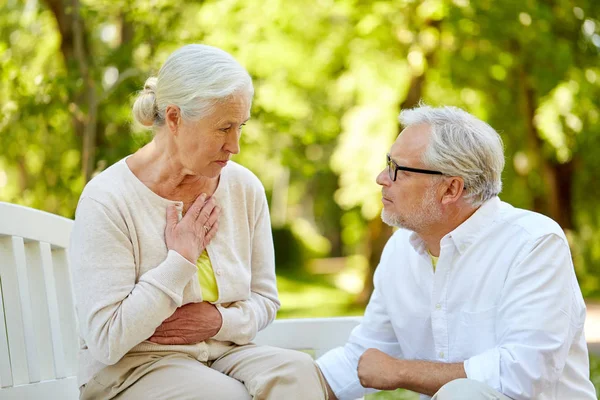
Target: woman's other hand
(192,323)
(190,236)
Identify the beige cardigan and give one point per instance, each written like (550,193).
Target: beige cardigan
(127,283)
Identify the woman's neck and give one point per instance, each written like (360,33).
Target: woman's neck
(164,174)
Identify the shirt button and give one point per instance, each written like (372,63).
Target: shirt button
(219,272)
(441,354)
(438,306)
(204,355)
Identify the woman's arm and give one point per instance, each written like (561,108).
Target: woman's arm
(115,312)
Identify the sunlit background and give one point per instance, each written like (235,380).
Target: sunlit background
(330,79)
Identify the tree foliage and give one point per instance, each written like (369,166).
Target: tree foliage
(330,78)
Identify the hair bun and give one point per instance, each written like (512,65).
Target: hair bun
(150,84)
(145,108)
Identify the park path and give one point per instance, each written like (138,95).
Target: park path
(592,327)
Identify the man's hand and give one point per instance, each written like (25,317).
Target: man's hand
(192,323)
(377,370)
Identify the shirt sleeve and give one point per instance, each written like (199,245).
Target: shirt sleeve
(243,319)
(115,313)
(339,366)
(536,324)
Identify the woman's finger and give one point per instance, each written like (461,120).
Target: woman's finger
(214,216)
(206,211)
(171,217)
(167,340)
(194,211)
(211,233)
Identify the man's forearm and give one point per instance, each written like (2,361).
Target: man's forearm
(427,377)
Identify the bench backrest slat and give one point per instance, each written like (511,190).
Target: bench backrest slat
(38,342)
(53,312)
(67,319)
(6,379)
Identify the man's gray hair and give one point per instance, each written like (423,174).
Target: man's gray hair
(461,145)
(194,78)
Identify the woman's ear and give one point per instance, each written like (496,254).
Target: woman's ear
(173,118)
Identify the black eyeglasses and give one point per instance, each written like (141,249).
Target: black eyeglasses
(393,169)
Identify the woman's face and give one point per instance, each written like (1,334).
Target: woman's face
(205,146)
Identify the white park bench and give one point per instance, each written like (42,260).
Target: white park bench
(38,330)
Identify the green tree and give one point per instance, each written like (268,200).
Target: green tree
(331,77)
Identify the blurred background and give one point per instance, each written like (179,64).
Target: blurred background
(330,78)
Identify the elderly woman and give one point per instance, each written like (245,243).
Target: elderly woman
(172,253)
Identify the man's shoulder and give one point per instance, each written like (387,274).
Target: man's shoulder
(532,224)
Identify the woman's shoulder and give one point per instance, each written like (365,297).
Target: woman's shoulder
(107,183)
(242,177)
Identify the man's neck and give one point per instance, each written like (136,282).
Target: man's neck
(432,235)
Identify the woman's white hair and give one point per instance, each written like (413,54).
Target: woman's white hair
(194,78)
(461,145)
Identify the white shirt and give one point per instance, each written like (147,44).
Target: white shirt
(504,300)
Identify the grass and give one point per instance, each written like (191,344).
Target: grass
(313,300)
(595,372)
(305,296)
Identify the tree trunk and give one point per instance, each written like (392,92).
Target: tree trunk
(379,232)
(84,101)
(561,206)
(556,200)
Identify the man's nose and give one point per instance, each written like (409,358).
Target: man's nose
(383,178)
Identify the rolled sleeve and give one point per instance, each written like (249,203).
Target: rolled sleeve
(339,369)
(485,367)
(340,365)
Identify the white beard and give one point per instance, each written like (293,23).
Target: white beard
(424,216)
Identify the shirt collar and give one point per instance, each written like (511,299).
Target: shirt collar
(464,234)
(468,231)
(417,243)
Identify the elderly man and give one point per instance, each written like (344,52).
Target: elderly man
(474,299)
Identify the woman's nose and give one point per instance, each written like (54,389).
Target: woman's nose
(232,145)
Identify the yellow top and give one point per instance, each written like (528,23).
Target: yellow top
(206,277)
(434,260)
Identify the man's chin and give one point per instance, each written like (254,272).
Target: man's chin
(390,219)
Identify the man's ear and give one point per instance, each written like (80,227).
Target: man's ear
(173,118)
(453,187)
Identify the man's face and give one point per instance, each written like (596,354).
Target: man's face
(410,202)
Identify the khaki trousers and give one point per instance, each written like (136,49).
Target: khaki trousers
(468,389)
(244,372)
